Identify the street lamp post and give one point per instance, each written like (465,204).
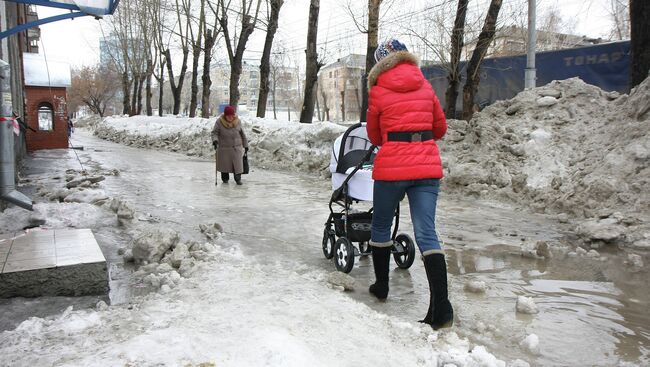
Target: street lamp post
(530,75)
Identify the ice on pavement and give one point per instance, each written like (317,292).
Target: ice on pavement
(233,312)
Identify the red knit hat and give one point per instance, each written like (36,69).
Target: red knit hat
(229,111)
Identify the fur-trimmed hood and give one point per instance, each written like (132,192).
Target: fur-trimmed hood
(227,124)
(388,63)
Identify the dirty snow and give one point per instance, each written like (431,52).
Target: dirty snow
(583,156)
(567,148)
(210,305)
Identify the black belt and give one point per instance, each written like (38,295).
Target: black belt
(410,136)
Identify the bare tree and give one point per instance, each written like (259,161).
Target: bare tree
(457,34)
(210,39)
(620,15)
(237,45)
(196,41)
(640,41)
(371,46)
(93,86)
(474,64)
(266,55)
(312,64)
(183,23)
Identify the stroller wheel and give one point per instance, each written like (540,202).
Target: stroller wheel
(404,253)
(328,243)
(344,251)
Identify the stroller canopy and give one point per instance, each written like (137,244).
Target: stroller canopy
(350,148)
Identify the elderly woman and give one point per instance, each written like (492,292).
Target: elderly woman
(405,119)
(230,144)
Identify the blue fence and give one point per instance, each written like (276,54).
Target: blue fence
(606,66)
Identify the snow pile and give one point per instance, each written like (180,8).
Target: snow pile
(87,121)
(290,318)
(80,203)
(531,343)
(273,144)
(567,148)
(526,305)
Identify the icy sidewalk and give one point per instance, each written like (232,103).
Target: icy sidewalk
(229,310)
(233,312)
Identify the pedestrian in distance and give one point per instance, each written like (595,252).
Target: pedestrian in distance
(230,145)
(70,127)
(405,119)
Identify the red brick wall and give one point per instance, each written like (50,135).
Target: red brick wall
(57,138)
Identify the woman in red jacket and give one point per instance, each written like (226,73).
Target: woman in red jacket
(405,119)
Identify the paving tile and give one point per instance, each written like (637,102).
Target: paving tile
(6,236)
(5,244)
(40,233)
(74,251)
(29,255)
(75,260)
(24,265)
(73,233)
(31,246)
(78,243)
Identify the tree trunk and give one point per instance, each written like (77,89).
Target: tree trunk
(474,64)
(134,96)
(161,83)
(640,41)
(265,62)
(205,78)
(176,88)
(149,93)
(275,111)
(451,95)
(196,54)
(141,81)
(236,55)
(236,65)
(320,117)
(311,72)
(126,94)
(373,31)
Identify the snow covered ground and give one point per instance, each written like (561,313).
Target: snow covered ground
(206,304)
(567,148)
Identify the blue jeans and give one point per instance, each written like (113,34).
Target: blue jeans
(423,197)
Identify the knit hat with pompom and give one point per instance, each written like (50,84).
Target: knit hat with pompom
(385,48)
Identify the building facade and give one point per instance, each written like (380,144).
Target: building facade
(512,40)
(46,102)
(340,88)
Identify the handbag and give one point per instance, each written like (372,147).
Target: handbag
(246,167)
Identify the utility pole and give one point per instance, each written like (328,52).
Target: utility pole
(531,72)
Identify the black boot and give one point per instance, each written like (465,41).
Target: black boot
(238,178)
(225,177)
(440,313)
(380,261)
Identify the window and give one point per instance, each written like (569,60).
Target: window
(45,117)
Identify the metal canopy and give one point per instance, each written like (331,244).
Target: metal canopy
(78,8)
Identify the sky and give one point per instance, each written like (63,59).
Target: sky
(77,41)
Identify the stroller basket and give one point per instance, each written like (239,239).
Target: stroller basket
(358,226)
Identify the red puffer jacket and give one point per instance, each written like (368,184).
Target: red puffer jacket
(400,99)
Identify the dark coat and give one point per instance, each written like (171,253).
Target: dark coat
(231,141)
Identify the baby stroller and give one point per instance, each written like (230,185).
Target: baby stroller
(351,167)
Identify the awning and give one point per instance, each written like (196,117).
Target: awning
(89,7)
(78,8)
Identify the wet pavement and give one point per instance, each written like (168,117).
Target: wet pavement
(591,312)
